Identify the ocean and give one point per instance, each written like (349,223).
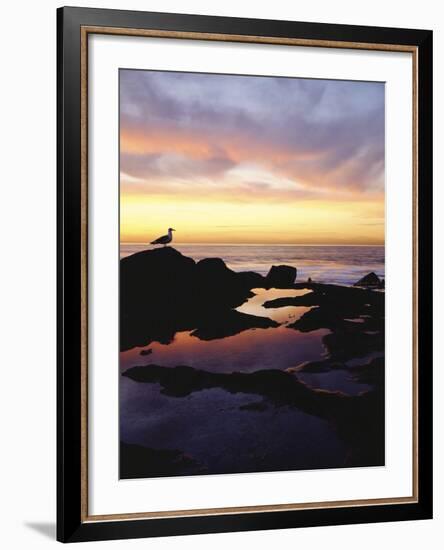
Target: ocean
(328,264)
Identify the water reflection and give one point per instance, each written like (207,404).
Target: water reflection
(225,432)
(256,349)
(211,427)
(254,306)
(334,380)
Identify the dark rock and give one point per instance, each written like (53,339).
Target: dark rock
(318,366)
(251,279)
(163,292)
(370,281)
(372,373)
(137,461)
(363,428)
(316,318)
(156,289)
(344,346)
(309,299)
(335,305)
(338,309)
(224,323)
(148,351)
(346,300)
(280,387)
(219,286)
(281,276)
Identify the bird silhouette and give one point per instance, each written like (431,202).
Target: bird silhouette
(165,239)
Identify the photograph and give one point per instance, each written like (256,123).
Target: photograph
(244,273)
(252,273)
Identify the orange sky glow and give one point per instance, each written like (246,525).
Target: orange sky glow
(230,159)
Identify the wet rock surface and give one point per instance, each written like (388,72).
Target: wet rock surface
(354,316)
(163,292)
(229,322)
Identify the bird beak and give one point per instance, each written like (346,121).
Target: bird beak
(173,229)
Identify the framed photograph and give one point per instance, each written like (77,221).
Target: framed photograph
(245,269)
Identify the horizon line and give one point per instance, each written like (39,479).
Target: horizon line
(254,244)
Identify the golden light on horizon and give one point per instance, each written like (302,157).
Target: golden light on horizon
(235,159)
(145,217)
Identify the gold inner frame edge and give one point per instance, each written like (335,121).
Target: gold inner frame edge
(84,33)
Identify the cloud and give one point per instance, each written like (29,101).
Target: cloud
(303,137)
(176,165)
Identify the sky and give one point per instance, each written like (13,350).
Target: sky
(251,159)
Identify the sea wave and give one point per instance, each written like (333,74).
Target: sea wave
(333,264)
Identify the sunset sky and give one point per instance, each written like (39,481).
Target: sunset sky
(241,159)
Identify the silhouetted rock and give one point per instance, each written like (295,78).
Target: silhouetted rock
(355,317)
(345,300)
(281,276)
(219,285)
(370,281)
(317,367)
(336,308)
(278,386)
(156,290)
(345,345)
(373,373)
(137,461)
(224,323)
(252,279)
(163,292)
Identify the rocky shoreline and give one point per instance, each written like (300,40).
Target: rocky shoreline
(164,292)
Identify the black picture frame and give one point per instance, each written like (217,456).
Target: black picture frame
(71,524)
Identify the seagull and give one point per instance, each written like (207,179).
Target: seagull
(165,239)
